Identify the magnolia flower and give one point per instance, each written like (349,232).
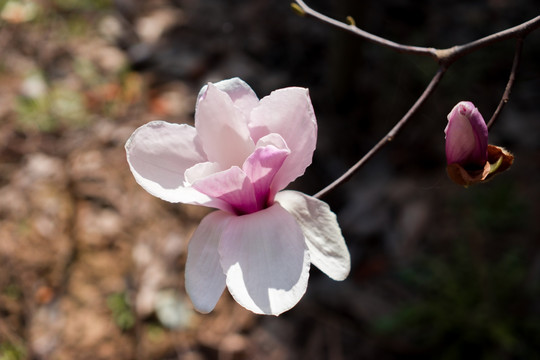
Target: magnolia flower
(238,158)
(469,157)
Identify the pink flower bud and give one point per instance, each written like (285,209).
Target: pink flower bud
(470,160)
(466,137)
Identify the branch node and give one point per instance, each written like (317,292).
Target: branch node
(445,55)
(350,21)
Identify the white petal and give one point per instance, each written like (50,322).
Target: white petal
(266,260)
(289,113)
(239,91)
(159,153)
(205,280)
(326,245)
(223,129)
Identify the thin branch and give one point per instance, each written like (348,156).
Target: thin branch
(511,79)
(446,56)
(388,137)
(368,36)
(520,31)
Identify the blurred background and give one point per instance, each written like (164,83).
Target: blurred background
(91,266)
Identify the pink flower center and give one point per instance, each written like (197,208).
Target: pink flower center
(251,188)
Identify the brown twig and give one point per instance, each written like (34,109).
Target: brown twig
(511,78)
(446,56)
(364,34)
(520,31)
(388,137)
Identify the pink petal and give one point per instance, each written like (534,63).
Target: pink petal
(222,128)
(201,170)
(327,248)
(272,139)
(232,186)
(266,260)
(240,93)
(289,113)
(261,167)
(159,153)
(277,141)
(466,136)
(205,280)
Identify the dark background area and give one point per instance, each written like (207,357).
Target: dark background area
(91,266)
